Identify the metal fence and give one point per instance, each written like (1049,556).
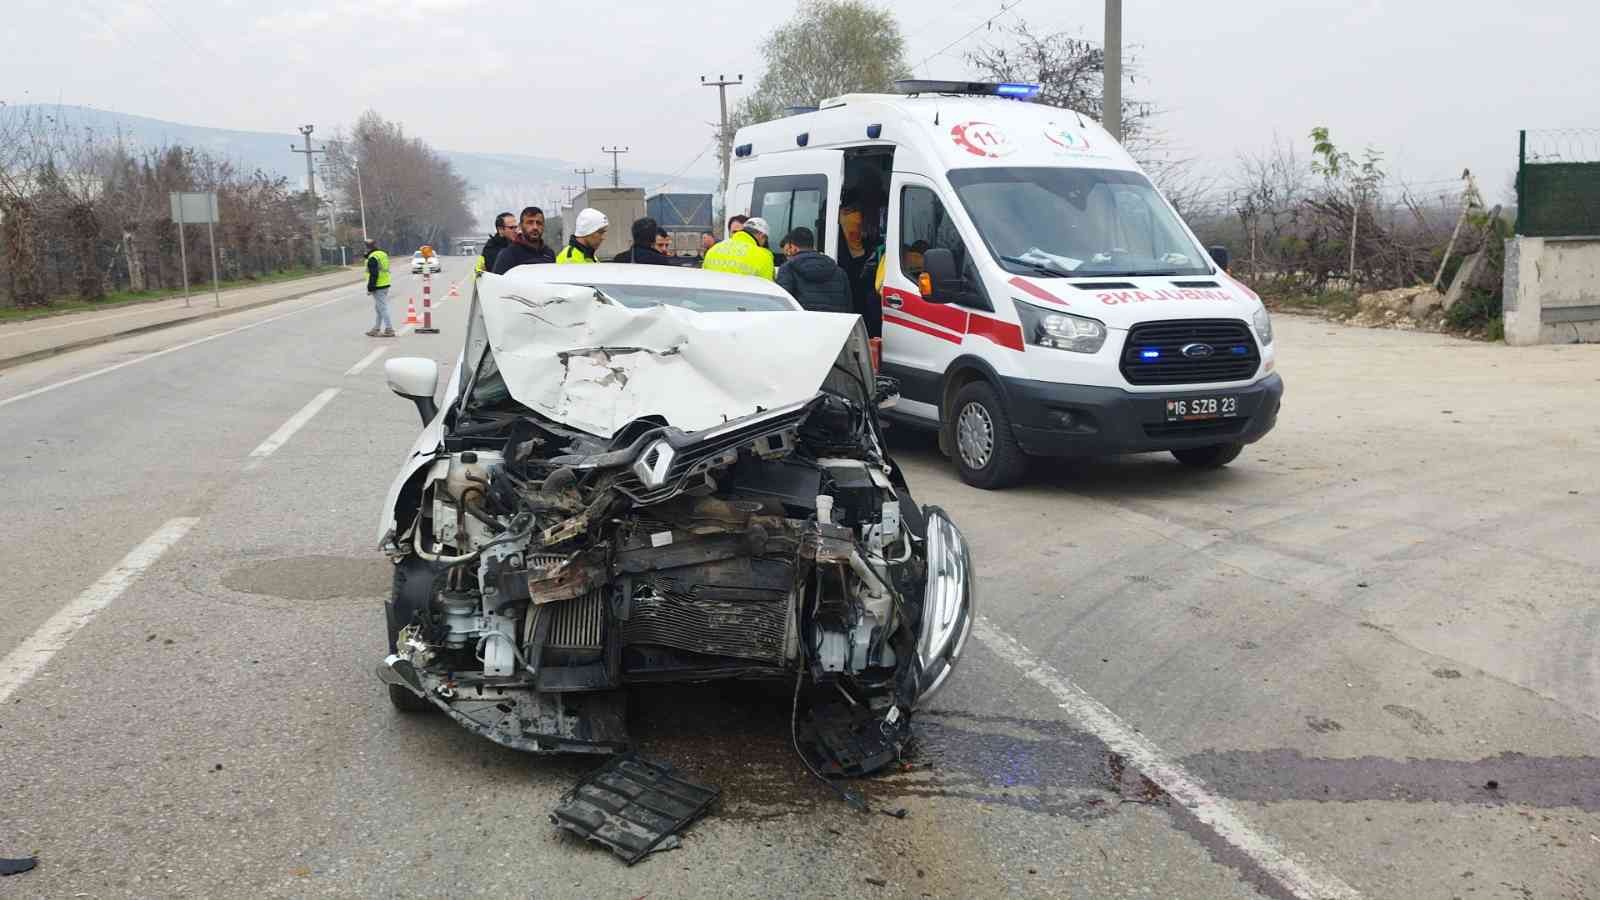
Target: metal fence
(1558,183)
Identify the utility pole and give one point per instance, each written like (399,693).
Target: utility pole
(616,161)
(585,173)
(311,188)
(724,136)
(1111,91)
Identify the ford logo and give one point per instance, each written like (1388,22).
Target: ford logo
(1198,351)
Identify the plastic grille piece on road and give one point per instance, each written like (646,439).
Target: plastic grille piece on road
(632,805)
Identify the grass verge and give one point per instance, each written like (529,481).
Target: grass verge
(131,298)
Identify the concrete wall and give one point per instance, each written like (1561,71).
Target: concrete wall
(1552,290)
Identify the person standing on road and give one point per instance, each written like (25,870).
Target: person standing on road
(378,288)
(664,244)
(743,253)
(588,233)
(527,246)
(644,250)
(813,279)
(707,241)
(505,226)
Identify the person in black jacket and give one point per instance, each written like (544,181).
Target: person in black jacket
(505,225)
(644,250)
(814,280)
(527,244)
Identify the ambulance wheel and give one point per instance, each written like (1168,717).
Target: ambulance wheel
(1213,457)
(985,451)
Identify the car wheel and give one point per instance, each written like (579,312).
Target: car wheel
(1213,457)
(413,588)
(986,452)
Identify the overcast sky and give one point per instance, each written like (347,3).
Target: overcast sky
(1436,85)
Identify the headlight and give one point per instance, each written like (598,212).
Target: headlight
(1059,330)
(1263,324)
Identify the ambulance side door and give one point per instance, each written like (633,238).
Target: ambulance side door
(798,188)
(920,338)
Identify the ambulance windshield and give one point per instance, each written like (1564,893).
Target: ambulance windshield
(1074,223)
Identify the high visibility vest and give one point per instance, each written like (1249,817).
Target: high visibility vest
(573,255)
(478,268)
(382,281)
(739,255)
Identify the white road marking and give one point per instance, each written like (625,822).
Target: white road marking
(149,356)
(367,360)
(286,430)
(20,665)
(1298,876)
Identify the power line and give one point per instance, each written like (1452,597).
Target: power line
(1004,8)
(679,174)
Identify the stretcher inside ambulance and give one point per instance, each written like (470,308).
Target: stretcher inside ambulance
(1036,295)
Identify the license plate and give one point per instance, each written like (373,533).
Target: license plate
(1198,409)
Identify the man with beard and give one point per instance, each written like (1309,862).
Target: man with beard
(505,225)
(527,244)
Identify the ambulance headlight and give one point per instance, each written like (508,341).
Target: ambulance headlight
(1060,330)
(1263,325)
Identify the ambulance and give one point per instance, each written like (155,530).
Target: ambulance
(1036,295)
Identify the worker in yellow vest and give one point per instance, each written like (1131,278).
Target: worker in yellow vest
(588,233)
(743,253)
(378,288)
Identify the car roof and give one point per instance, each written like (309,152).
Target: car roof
(666,276)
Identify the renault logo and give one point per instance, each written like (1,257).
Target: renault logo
(1198,351)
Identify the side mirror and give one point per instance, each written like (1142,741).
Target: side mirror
(943,281)
(1220,256)
(415,379)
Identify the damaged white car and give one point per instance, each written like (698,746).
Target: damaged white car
(642,474)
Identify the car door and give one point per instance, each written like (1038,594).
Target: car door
(920,338)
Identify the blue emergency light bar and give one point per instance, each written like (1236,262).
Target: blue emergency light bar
(1015,90)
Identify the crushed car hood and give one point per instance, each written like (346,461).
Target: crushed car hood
(594,365)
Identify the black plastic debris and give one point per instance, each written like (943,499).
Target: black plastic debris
(17,866)
(632,806)
(852,740)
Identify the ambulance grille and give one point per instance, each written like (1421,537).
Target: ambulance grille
(1154,352)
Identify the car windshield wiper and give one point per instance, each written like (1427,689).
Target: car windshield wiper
(1039,268)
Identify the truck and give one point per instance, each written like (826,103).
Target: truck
(684,217)
(622,206)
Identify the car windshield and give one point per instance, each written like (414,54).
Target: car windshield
(638,296)
(1059,222)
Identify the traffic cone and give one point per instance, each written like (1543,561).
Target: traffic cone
(454,292)
(411,312)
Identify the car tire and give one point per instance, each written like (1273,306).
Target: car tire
(1213,457)
(985,451)
(413,588)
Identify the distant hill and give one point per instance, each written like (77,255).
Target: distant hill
(497,181)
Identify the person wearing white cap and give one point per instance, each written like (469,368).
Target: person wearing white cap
(588,233)
(743,253)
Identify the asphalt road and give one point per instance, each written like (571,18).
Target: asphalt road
(1358,662)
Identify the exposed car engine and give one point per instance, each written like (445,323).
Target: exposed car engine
(545,570)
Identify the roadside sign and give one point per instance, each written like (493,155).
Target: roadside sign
(194,207)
